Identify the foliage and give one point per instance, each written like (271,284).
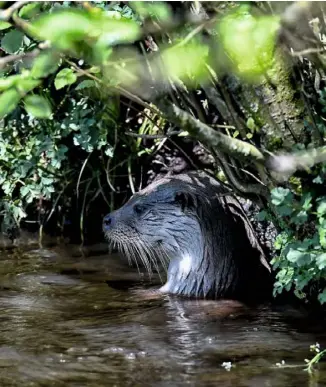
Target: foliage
(241,30)
(301,244)
(315,360)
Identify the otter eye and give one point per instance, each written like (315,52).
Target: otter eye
(138,209)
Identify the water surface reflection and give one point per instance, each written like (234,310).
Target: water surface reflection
(62,325)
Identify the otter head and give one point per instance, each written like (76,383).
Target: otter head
(159,223)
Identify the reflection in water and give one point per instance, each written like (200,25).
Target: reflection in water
(62,325)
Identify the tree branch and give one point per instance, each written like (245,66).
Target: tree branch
(6,14)
(209,136)
(32,54)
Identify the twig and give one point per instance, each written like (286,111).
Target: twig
(208,136)
(191,35)
(307,51)
(153,136)
(7,13)
(123,91)
(32,54)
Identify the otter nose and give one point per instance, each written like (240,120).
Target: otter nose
(107,222)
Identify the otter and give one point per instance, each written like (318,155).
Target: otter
(196,225)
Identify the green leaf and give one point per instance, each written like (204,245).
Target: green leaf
(65,28)
(8,101)
(24,190)
(321,261)
(279,194)
(322,296)
(249,40)
(25,85)
(64,77)
(321,208)
(109,151)
(318,180)
(295,255)
(322,236)
(47,180)
(300,218)
(86,84)
(251,124)
(37,106)
(158,9)
(262,215)
(30,10)
(306,201)
(12,41)
(284,210)
(45,64)
(6,83)
(4,25)
(299,254)
(186,61)
(7,187)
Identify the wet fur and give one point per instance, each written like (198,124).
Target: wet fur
(198,228)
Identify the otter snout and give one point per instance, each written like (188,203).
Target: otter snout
(108,222)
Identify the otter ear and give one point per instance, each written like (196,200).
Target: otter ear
(184,200)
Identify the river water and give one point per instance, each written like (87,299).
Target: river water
(62,324)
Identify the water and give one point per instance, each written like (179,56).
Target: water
(62,325)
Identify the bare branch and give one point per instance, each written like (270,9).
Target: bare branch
(6,14)
(307,51)
(32,54)
(208,136)
(153,136)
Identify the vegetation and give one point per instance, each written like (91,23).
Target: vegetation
(91,90)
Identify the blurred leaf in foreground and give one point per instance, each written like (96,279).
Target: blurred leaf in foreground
(8,101)
(73,29)
(249,41)
(186,61)
(38,106)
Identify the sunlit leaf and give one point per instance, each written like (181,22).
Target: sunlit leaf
(322,296)
(64,77)
(321,261)
(279,194)
(297,256)
(186,61)
(4,25)
(24,190)
(6,83)
(45,64)
(26,85)
(12,41)
(249,40)
(8,101)
(30,9)
(109,151)
(38,106)
(321,208)
(159,9)
(65,28)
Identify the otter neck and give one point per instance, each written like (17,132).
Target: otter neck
(187,266)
